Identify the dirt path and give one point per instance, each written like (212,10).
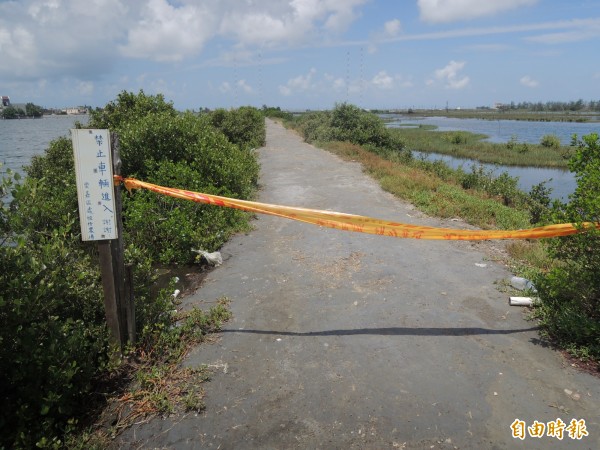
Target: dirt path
(344,340)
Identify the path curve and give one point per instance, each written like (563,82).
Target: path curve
(343,340)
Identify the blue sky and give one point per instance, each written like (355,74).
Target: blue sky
(300,54)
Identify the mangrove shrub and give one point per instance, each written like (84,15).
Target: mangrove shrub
(349,123)
(570,292)
(54,344)
(243,126)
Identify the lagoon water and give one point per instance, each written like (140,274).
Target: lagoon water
(21,139)
(561,182)
(503,130)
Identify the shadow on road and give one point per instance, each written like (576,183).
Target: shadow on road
(391,331)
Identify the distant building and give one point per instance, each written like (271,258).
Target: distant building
(78,110)
(5,100)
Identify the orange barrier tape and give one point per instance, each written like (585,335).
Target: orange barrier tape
(361,224)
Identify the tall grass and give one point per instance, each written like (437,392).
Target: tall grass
(432,194)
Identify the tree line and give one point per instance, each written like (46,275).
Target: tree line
(31,110)
(554,106)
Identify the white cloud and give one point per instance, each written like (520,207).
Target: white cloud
(285,91)
(438,11)
(529,82)
(168,33)
(225,87)
(337,84)
(392,28)
(54,38)
(18,50)
(340,84)
(451,76)
(241,84)
(299,83)
(383,81)
(85,40)
(272,22)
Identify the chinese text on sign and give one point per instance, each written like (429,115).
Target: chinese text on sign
(93,169)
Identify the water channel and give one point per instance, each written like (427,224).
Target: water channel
(561,182)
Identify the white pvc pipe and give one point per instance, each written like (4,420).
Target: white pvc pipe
(520,301)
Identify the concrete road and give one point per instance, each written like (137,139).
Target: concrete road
(345,340)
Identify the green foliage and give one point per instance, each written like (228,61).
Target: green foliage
(159,137)
(539,202)
(243,126)
(53,336)
(33,110)
(503,186)
(47,198)
(186,152)
(570,292)
(180,225)
(208,154)
(472,146)
(276,113)
(515,145)
(128,107)
(348,123)
(457,137)
(550,141)
(10,112)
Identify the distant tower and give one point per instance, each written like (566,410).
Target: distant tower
(5,100)
(347,76)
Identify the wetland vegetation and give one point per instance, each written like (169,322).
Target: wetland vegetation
(463,144)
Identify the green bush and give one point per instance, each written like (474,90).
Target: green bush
(570,292)
(177,226)
(513,144)
(276,113)
(348,123)
(10,112)
(539,203)
(53,338)
(503,185)
(457,137)
(129,107)
(160,137)
(184,152)
(550,141)
(49,194)
(243,126)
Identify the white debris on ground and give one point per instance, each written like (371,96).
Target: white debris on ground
(522,284)
(214,258)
